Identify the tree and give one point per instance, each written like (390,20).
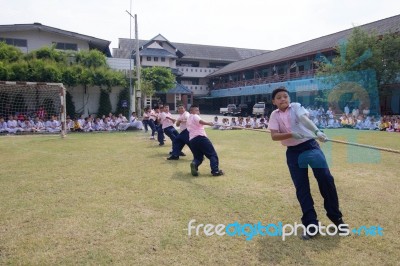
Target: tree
(51,65)
(365,59)
(9,53)
(70,105)
(123,102)
(104,104)
(161,78)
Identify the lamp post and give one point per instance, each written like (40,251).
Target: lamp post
(135,93)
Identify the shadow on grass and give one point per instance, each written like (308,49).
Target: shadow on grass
(273,250)
(187,176)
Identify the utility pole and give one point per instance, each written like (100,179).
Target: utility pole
(131,89)
(138,91)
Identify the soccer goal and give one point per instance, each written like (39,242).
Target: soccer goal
(30,103)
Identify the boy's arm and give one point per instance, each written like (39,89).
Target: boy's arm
(311,126)
(206,123)
(275,135)
(169,118)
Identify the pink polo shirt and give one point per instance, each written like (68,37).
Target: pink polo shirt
(288,121)
(164,121)
(194,127)
(183,119)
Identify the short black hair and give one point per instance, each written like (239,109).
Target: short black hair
(277,90)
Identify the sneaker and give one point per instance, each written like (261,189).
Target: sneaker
(344,228)
(220,172)
(152,138)
(307,236)
(182,154)
(194,169)
(172,157)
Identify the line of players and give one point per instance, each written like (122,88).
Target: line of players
(191,133)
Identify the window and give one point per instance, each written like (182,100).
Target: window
(66,46)
(155,59)
(15,42)
(148,58)
(162,59)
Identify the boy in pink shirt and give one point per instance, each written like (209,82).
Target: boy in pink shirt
(290,125)
(199,143)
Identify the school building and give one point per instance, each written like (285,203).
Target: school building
(211,76)
(252,80)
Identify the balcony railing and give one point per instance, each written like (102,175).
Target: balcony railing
(197,89)
(198,72)
(266,80)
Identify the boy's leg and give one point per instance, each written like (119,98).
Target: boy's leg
(209,151)
(153,127)
(171,132)
(177,146)
(160,135)
(326,185)
(301,182)
(198,155)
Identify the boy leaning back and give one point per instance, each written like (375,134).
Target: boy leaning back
(290,125)
(199,143)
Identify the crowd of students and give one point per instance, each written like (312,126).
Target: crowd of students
(22,123)
(356,119)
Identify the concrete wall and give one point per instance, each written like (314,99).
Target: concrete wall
(39,39)
(87,102)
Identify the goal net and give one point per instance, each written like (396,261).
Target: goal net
(32,107)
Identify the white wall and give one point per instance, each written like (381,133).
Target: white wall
(89,103)
(39,39)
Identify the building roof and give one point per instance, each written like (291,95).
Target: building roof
(94,43)
(193,51)
(311,47)
(179,89)
(156,52)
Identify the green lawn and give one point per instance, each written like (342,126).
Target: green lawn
(113,198)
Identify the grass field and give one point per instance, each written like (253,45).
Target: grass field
(115,199)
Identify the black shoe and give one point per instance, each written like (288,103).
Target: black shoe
(193,169)
(182,154)
(161,144)
(344,228)
(172,157)
(306,236)
(220,172)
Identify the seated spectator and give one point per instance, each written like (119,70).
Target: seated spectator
(248,122)
(122,122)
(53,125)
(263,123)
(384,124)
(27,126)
(98,124)
(233,122)
(225,124)
(12,125)
(69,124)
(3,126)
(216,123)
(134,122)
(38,125)
(87,126)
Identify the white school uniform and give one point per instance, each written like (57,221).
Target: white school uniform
(12,126)
(3,127)
(135,123)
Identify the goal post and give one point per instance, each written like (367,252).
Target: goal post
(34,101)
